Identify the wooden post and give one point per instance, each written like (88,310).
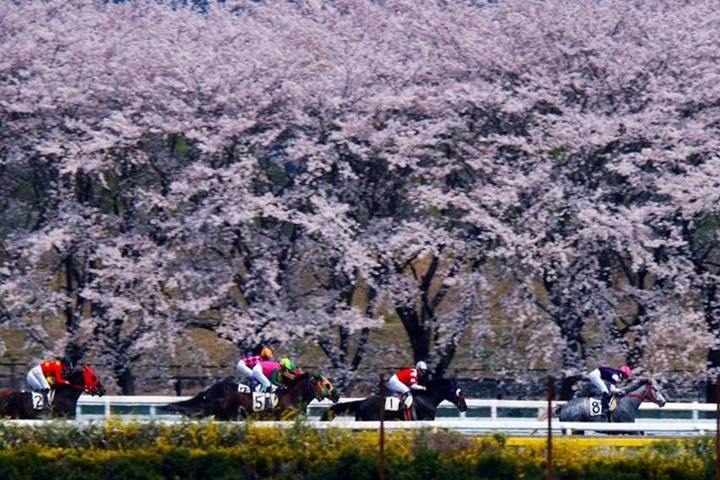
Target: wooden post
(382,427)
(550,386)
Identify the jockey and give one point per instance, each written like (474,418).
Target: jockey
(262,372)
(287,370)
(603,374)
(405,380)
(250,367)
(48,374)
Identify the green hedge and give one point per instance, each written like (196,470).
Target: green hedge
(219,450)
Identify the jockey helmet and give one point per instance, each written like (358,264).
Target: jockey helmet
(422,366)
(288,368)
(66,363)
(288,365)
(625,370)
(266,353)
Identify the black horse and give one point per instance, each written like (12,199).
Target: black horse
(424,407)
(63,398)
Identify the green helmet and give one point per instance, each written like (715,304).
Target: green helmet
(288,364)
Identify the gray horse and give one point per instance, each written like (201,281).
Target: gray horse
(588,409)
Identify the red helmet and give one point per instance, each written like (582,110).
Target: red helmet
(625,370)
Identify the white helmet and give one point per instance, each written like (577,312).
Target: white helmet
(421,366)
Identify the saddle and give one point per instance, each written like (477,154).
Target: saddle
(612,404)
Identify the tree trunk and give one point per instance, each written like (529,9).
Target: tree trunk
(126,382)
(713,364)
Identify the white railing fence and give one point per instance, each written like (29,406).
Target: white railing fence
(492,415)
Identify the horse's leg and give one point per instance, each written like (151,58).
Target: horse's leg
(215,409)
(242,413)
(245,410)
(13,406)
(232,405)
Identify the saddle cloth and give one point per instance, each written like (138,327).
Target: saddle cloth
(595,406)
(37,399)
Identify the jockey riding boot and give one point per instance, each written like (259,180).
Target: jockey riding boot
(606,404)
(46,398)
(406,405)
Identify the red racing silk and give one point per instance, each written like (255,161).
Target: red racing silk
(54,369)
(408,376)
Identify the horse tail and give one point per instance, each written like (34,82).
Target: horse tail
(5,395)
(343,408)
(19,405)
(543,415)
(555,412)
(186,407)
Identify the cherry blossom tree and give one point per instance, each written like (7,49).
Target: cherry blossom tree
(540,174)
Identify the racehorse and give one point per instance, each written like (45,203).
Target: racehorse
(291,400)
(224,400)
(198,406)
(587,409)
(424,407)
(63,398)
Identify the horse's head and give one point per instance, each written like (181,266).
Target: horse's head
(456,396)
(91,382)
(653,393)
(325,389)
(647,389)
(446,389)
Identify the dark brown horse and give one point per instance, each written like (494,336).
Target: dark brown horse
(63,398)
(287,404)
(225,402)
(199,405)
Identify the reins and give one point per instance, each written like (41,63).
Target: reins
(646,395)
(82,388)
(315,388)
(319,389)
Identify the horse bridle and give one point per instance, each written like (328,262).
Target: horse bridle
(456,394)
(321,387)
(648,394)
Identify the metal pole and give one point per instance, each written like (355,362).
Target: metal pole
(382,427)
(717,428)
(550,385)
